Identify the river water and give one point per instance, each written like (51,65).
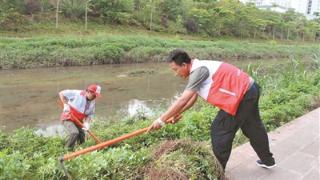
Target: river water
(29,97)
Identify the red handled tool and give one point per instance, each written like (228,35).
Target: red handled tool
(104,145)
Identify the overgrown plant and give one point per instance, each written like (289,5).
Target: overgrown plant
(286,94)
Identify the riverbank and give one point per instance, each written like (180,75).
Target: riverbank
(107,46)
(288,91)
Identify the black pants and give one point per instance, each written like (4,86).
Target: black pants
(225,126)
(75,134)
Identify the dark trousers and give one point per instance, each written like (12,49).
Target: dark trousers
(225,126)
(75,134)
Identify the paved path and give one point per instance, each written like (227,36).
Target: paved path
(295,147)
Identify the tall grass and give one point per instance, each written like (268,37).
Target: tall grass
(88,50)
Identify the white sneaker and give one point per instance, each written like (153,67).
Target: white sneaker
(264,165)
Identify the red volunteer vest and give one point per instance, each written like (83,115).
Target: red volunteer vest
(227,87)
(74,115)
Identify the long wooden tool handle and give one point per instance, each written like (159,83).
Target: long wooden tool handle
(103,144)
(108,143)
(94,137)
(89,132)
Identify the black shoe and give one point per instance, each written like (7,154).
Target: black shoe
(266,165)
(222,177)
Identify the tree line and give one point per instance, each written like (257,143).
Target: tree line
(212,18)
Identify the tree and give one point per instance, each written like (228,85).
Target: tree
(86,16)
(171,8)
(290,23)
(45,5)
(57,13)
(73,9)
(32,6)
(11,14)
(151,14)
(225,10)
(201,16)
(312,28)
(115,11)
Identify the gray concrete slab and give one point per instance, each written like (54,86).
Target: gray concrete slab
(296,148)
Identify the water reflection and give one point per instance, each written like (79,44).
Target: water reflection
(52,130)
(29,97)
(138,108)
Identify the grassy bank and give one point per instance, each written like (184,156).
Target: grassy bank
(72,51)
(69,46)
(176,151)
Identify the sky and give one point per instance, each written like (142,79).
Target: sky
(298,5)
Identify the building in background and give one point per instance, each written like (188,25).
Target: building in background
(306,7)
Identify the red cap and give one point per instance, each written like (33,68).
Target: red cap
(96,89)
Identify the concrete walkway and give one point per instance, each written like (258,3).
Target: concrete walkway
(296,150)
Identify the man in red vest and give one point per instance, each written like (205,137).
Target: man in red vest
(231,90)
(78,107)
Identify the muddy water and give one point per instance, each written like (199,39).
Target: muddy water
(29,97)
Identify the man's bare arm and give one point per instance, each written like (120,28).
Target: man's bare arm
(184,102)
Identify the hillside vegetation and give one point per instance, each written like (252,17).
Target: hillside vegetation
(199,17)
